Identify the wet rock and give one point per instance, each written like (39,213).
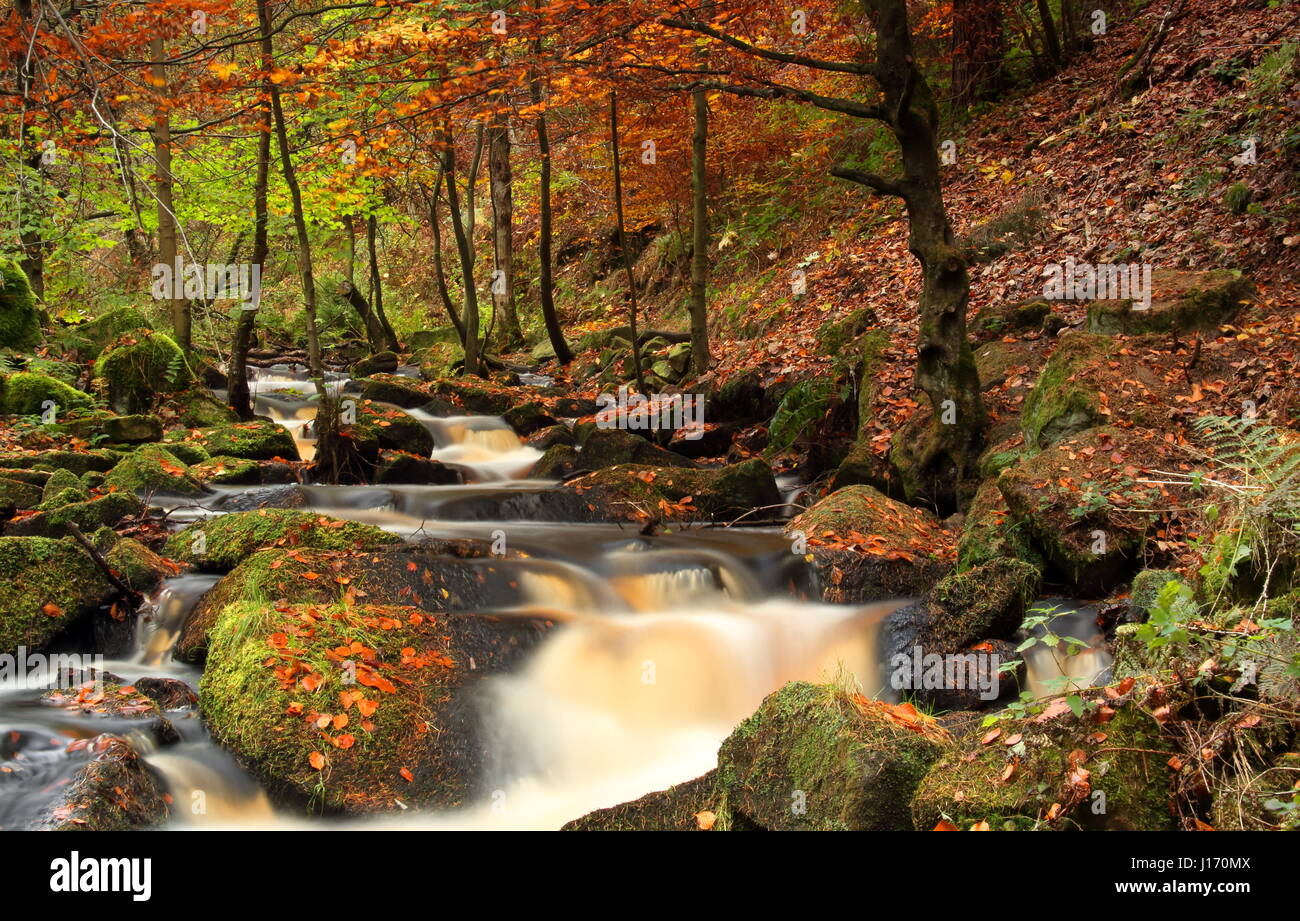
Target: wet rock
(116,791)
(259,439)
(139,567)
(139,366)
(400,467)
(1181,301)
(281,495)
(551,436)
(77,462)
(218,544)
(105,511)
(380,426)
(395,389)
(20,320)
(46,586)
(684,807)
(153,469)
(867,547)
(111,701)
(28,393)
(398,725)
(741,399)
(575,407)
(528,418)
(816,758)
(981,683)
(168,693)
(1055,771)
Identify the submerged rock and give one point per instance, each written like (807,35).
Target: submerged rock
(356,709)
(116,791)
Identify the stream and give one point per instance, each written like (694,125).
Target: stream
(668,642)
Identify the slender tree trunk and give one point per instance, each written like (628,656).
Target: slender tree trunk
(387,337)
(1050,36)
(439,275)
(237,383)
(32,256)
(350,266)
(977,49)
(503,287)
(699,235)
(554,332)
(464,248)
(167,232)
(622,240)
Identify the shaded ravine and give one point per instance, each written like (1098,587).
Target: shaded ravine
(667,643)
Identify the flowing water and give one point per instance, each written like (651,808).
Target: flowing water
(666,643)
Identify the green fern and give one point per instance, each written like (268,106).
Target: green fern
(803,404)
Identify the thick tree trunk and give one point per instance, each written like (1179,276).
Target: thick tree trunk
(699,235)
(622,239)
(464,248)
(554,332)
(503,288)
(167,232)
(386,336)
(237,383)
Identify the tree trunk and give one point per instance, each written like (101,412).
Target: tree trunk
(977,49)
(503,282)
(237,380)
(554,332)
(1050,37)
(464,248)
(439,275)
(699,235)
(32,256)
(387,337)
(622,239)
(167,232)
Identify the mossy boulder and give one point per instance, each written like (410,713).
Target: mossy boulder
(197,407)
(154,469)
(551,436)
(20,320)
(92,338)
(998,362)
(866,546)
(15,494)
(115,791)
(474,397)
(989,600)
(607,447)
(1147,586)
(46,586)
(990,532)
(814,757)
(355,709)
(218,544)
(140,567)
(139,366)
(1181,301)
(527,418)
(258,439)
(424,338)
(380,427)
(78,462)
(557,462)
(998,320)
(395,389)
(27,393)
(682,807)
(401,467)
(91,515)
(634,492)
(378,363)
(1084,505)
(1104,769)
(438,360)
(224,470)
(1065,399)
(62,488)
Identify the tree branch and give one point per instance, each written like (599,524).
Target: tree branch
(880,184)
(839,67)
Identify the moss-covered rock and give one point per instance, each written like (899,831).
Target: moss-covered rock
(866,546)
(633,493)
(354,709)
(401,467)
(997,320)
(15,494)
(378,363)
(140,567)
(79,462)
(379,427)
(139,366)
(474,396)
(988,600)
(606,447)
(91,515)
(527,418)
(1180,301)
(395,389)
(423,338)
(551,436)
(20,321)
(1146,587)
(1083,505)
(218,544)
(990,532)
(138,429)
(45,586)
(29,393)
(62,488)
(438,360)
(154,469)
(258,439)
(116,791)
(682,807)
(92,338)
(1065,399)
(1105,769)
(197,407)
(557,462)
(814,757)
(224,470)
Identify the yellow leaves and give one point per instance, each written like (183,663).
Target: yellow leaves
(223,69)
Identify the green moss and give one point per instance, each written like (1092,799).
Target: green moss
(78,462)
(990,532)
(88,516)
(45,586)
(229,538)
(255,440)
(988,600)
(196,407)
(153,468)
(139,366)
(1125,759)
(224,470)
(92,338)
(139,566)
(1064,399)
(438,360)
(379,427)
(20,321)
(814,757)
(1181,300)
(26,393)
(15,494)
